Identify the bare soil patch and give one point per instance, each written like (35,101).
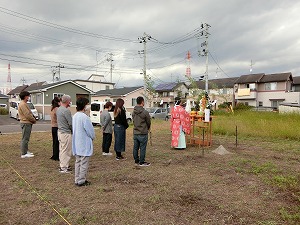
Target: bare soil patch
(258,184)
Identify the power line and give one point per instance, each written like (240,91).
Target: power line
(60,27)
(218,65)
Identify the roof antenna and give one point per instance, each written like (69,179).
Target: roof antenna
(251,64)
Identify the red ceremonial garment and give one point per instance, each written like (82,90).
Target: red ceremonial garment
(179,117)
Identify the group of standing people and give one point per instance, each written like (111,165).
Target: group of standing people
(76,134)
(141,122)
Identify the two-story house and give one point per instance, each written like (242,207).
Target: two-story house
(128,94)
(245,89)
(265,90)
(95,83)
(167,92)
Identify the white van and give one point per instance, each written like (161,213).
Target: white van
(13,110)
(98,107)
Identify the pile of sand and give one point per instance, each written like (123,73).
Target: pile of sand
(221,151)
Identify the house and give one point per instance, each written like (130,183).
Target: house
(42,95)
(14,93)
(4,100)
(218,89)
(128,94)
(296,84)
(167,92)
(265,90)
(95,83)
(245,88)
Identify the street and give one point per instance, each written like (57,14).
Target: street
(10,125)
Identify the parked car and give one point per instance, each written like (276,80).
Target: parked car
(98,107)
(158,113)
(13,110)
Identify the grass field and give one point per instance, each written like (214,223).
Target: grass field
(258,184)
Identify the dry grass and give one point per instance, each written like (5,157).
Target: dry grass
(258,184)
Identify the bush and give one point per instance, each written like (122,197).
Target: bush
(242,106)
(224,105)
(3,111)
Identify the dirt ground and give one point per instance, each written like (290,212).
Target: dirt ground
(259,183)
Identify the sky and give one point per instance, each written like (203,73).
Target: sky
(36,37)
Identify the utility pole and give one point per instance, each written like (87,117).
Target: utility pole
(59,66)
(23,81)
(205,52)
(109,59)
(144,39)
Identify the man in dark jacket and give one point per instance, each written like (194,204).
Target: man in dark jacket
(142,123)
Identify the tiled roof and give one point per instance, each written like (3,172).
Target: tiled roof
(249,78)
(48,86)
(296,80)
(118,91)
(219,83)
(276,77)
(17,90)
(35,86)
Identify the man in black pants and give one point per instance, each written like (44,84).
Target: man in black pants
(142,123)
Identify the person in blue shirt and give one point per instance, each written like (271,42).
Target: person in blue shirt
(82,142)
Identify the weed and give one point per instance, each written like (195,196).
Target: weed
(64,211)
(264,168)
(289,215)
(285,181)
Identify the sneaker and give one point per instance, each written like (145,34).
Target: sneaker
(120,158)
(106,153)
(86,183)
(27,156)
(30,153)
(145,164)
(64,171)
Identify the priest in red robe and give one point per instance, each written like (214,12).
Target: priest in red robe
(180,125)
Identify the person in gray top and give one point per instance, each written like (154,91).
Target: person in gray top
(64,122)
(142,124)
(107,128)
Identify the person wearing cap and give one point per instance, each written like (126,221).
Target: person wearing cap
(180,124)
(26,121)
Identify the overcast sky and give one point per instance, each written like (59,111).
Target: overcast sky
(38,35)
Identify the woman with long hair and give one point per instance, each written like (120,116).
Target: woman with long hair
(120,128)
(55,144)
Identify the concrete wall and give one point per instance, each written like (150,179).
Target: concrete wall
(289,109)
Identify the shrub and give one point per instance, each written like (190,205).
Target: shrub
(3,111)
(242,106)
